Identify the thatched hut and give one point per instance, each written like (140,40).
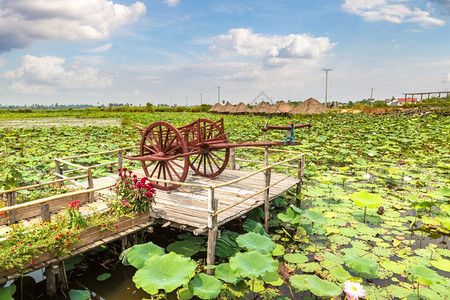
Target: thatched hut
(262,108)
(310,106)
(281,107)
(227,108)
(241,108)
(215,108)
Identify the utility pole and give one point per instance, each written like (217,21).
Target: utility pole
(201,99)
(326,82)
(218,94)
(371,96)
(186,101)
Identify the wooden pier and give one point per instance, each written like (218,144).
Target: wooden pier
(200,205)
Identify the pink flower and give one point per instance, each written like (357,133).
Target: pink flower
(353,290)
(148,194)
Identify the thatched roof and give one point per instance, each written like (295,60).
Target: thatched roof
(215,108)
(227,108)
(281,108)
(241,108)
(262,108)
(310,106)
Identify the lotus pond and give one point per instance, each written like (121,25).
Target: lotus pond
(374,210)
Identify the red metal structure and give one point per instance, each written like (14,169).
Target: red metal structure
(167,152)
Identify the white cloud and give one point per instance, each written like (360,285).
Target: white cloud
(2,62)
(45,75)
(243,42)
(394,11)
(24,21)
(172,2)
(100,49)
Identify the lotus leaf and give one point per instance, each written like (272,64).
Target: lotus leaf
(103,276)
(323,288)
(205,286)
(315,216)
(165,272)
(138,254)
(290,216)
(224,272)
(273,278)
(299,282)
(197,239)
(254,241)
(296,258)
(186,248)
(253,226)
(6,293)
(252,264)
(340,273)
(393,266)
(184,294)
(279,250)
(363,266)
(424,275)
(366,199)
(76,295)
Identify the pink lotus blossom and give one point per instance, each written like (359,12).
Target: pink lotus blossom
(353,290)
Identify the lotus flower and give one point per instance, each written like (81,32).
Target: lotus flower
(353,290)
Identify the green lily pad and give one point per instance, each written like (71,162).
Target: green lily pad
(205,286)
(323,288)
(296,258)
(254,241)
(253,226)
(364,198)
(340,273)
(393,266)
(78,295)
(186,248)
(441,264)
(166,272)
(138,254)
(225,273)
(299,282)
(252,264)
(363,266)
(6,293)
(315,216)
(424,275)
(103,276)
(279,250)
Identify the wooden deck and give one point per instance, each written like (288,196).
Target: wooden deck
(180,215)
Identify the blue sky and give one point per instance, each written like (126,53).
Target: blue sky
(178,51)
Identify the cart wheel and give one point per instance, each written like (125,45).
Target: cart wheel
(164,140)
(210,162)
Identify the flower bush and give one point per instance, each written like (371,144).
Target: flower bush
(134,194)
(75,218)
(23,243)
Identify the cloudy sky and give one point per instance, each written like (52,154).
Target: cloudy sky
(178,51)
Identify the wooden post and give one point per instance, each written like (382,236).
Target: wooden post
(212,231)
(90,184)
(45,212)
(266,192)
(10,201)
(58,170)
(50,275)
(232,159)
(120,159)
(301,165)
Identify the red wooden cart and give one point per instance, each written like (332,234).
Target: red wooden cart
(167,152)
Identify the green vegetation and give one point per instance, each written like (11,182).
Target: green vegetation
(374,207)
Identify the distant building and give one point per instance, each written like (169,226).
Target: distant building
(402,101)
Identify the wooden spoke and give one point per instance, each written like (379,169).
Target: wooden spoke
(210,162)
(163,143)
